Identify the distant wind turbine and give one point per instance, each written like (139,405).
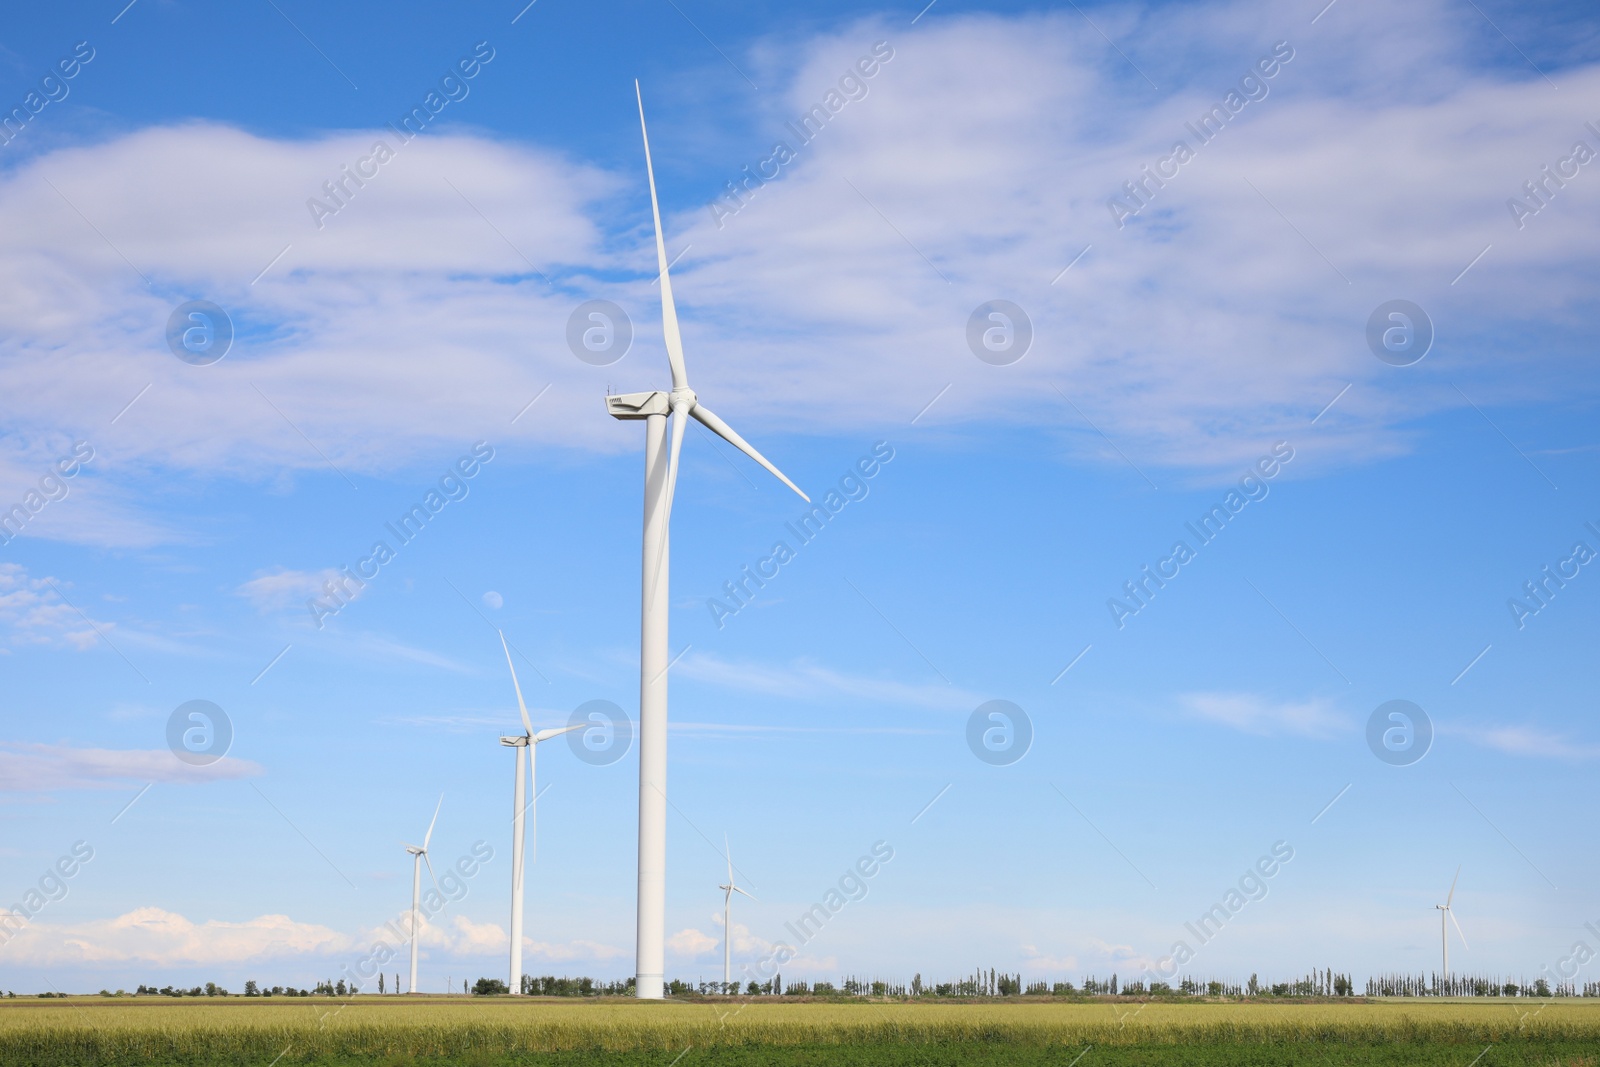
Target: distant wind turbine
(419,856)
(660,482)
(1444,931)
(727,926)
(525,744)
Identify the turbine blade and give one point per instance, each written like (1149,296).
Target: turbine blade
(678,425)
(545,735)
(726,851)
(708,418)
(1457,925)
(678,428)
(1453,882)
(533,804)
(435,877)
(429,836)
(527,723)
(669,311)
(736,889)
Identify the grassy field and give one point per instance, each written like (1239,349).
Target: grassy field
(475,1032)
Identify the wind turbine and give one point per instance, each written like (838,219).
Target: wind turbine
(727,927)
(525,743)
(660,481)
(1444,931)
(419,856)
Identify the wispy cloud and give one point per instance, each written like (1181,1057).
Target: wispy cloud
(1522,740)
(709,729)
(803,679)
(375,646)
(33,612)
(33,768)
(1257,715)
(284,588)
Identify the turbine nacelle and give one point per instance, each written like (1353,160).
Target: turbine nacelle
(638,405)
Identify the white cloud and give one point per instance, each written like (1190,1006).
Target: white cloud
(462,937)
(1252,714)
(158,937)
(33,611)
(1046,961)
(32,768)
(992,144)
(692,943)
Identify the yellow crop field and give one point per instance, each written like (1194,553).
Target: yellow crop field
(94,1030)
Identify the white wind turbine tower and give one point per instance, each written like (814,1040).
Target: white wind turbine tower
(727,926)
(419,856)
(525,743)
(660,480)
(1444,931)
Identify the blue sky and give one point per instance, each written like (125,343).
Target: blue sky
(827,316)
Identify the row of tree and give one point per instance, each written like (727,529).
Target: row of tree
(1463,985)
(1319,983)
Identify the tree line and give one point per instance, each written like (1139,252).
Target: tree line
(980,983)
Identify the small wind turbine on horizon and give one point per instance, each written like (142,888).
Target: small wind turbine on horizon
(1444,930)
(525,743)
(419,856)
(728,891)
(660,482)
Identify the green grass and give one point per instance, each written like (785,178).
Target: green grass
(429,1031)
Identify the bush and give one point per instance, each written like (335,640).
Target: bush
(489,987)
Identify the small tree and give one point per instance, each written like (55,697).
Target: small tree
(251,990)
(489,987)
